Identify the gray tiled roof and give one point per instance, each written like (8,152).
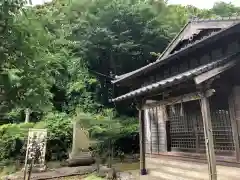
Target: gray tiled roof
(189,47)
(176,79)
(216,19)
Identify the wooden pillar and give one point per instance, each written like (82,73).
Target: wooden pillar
(232,100)
(205,108)
(236,98)
(142,142)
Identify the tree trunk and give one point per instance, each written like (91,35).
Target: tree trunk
(27,115)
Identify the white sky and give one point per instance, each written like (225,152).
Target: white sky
(202,3)
(37,2)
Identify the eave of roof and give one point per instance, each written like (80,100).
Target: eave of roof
(176,79)
(212,37)
(174,41)
(198,23)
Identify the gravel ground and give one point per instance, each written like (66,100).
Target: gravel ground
(131,175)
(77,173)
(64,171)
(69,178)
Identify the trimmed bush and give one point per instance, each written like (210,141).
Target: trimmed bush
(59,142)
(13,138)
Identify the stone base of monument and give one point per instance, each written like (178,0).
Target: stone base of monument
(39,169)
(107,173)
(82,159)
(36,168)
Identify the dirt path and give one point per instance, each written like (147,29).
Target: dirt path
(56,173)
(76,173)
(130,175)
(135,175)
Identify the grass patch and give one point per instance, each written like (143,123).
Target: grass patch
(93,177)
(6,170)
(127,166)
(54,164)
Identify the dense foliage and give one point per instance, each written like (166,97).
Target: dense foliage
(13,137)
(61,56)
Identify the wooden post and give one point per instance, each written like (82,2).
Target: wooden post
(236,98)
(205,108)
(143,170)
(234,124)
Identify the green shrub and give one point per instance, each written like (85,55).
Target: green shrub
(12,138)
(59,128)
(59,142)
(120,131)
(6,170)
(93,177)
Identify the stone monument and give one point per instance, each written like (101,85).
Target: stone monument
(80,154)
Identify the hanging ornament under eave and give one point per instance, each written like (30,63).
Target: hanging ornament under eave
(173,109)
(181,109)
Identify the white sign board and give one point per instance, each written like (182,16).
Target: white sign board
(36,148)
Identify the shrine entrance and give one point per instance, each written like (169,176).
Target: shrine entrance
(186,132)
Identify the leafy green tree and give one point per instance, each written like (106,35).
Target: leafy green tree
(223,9)
(29,68)
(115,37)
(63,54)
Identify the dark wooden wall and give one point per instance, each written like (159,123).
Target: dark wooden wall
(156,126)
(207,54)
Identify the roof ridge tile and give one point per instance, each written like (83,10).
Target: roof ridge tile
(229,18)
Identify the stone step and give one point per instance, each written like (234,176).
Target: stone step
(179,164)
(148,177)
(185,174)
(180,176)
(189,170)
(168,176)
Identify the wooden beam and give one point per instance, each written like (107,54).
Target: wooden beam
(175,41)
(143,170)
(207,123)
(179,99)
(234,125)
(212,73)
